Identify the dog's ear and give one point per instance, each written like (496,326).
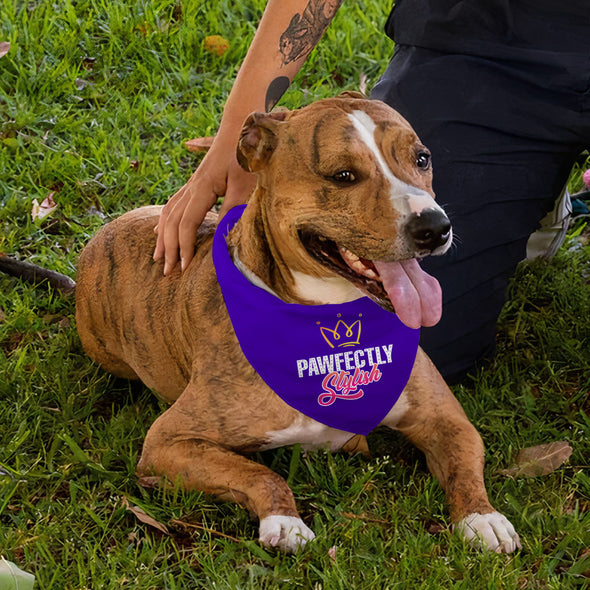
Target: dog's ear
(259,139)
(352,94)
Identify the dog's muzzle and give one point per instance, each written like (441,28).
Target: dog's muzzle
(428,231)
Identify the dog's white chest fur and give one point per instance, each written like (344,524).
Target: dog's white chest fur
(311,434)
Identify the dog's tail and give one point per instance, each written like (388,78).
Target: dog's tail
(36,275)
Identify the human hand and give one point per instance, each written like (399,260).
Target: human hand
(218,175)
(285,36)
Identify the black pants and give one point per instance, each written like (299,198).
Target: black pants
(504,136)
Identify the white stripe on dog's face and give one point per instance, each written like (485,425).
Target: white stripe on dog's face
(405,198)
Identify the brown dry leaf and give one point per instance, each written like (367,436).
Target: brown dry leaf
(141,515)
(64,323)
(45,208)
(200,144)
(4,48)
(150,482)
(539,460)
(435,528)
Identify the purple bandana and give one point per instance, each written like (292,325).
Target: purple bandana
(344,365)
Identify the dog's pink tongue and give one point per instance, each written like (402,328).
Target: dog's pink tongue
(416,296)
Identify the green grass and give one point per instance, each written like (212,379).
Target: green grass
(96,99)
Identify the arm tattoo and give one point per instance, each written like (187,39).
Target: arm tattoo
(276,89)
(297,41)
(305,29)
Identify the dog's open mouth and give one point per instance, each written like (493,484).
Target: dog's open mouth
(399,286)
(359,271)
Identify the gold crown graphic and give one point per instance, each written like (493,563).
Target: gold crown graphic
(342,334)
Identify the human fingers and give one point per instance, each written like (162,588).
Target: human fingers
(239,189)
(192,217)
(182,221)
(159,229)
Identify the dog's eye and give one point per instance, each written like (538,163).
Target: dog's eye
(344,176)
(423,160)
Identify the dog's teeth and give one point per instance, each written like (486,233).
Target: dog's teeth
(348,255)
(370,274)
(354,262)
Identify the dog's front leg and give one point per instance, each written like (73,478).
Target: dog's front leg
(433,420)
(171,451)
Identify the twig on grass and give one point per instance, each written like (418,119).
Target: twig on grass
(36,275)
(366,518)
(190,525)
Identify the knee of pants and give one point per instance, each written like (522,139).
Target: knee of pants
(466,332)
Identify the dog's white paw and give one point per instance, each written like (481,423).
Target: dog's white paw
(491,531)
(288,533)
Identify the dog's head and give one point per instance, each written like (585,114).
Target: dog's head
(347,185)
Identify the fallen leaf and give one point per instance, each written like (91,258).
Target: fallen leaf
(4,48)
(216,44)
(435,528)
(539,460)
(45,208)
(150,482)
(200,144)
(2,315)
(142,516)
(13,342)
(64,323)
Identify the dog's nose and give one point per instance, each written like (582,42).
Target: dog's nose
(429,229)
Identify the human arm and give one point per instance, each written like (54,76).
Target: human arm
(288,31)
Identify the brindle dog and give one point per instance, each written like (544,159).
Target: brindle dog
(343,207)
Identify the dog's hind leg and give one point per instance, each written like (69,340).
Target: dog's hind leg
(170,451)
(435,422)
